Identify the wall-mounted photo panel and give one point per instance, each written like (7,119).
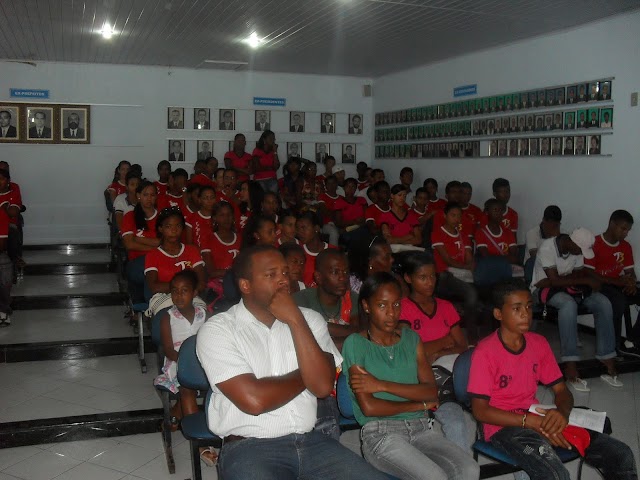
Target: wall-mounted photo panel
(327,122)
(556,146)
(322,152)
(348,153)
(75,124)
(10,123)
(580,145)
(534,146)
(568,146)
(605,91)
(355,124)
(175,118)
(581,119)
(294,149)
(523,147)
(593,115)
(201,118)
(205,149)
(569,120)
(176,150)
(296,122)
(594,145)
(40,122)
(606,117)
(545,146)
(227,119)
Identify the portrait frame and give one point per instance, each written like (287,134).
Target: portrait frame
(48,127)
(352,130)
(603,123)
(327,146)
(583,140)
(298,146)
(556,145)
(301,124)
(345,153)
(197,125)
(15,120)
(171,122)
(590,113)
(182,150)
(569,120)
(534,146)
(523,147)
(605,90)
(199,150)
(332,123)
(84,117)
(584,96)
(222,122)
(267,123)
(568,148)
(597,150)
(572,95)
(586,118)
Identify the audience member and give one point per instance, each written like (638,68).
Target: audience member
(400,226)
(371,255)
(295,257)
(220,249)
(265,162)
(175,196)
(6,268)
(164,170)
(238,159)
(287,229)
(327,205)
(329,164)
(308,189)
(470,211)
(126,202)
(260,230)
(363,179)
(549,227)
(200,224)
(502,191)
(491,239)
(420,202)
(308,232)
(381,205)
(118,184)
(250,196)
(435,204)
(289,183)
(406,179)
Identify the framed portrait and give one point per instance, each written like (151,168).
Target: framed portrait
(227,119)
(486,105)
(508,103)
(581,92)
(560,96)
(594,91)
(502,148)
(404,115)
(175,118)
(581,118)
(545,146)
(327,123)
(568,146)
(355,124)
(262,120)
(572,95)
(296,122)
(516,101)
(580,145)
(533,100)
(294,149)
(541,98)
(500,103)
(605,91)
(550,96)
(40,121)
(594,145)
(593,118)
(322,152)
(524,100)
(557,121)
(606,118)
(393,117)
(75,124)
(539,123)
(534,146)
(10,123)
(492,104)
(513,124)
(569,120)
(513,148)
(548,122)
(522,123)
(523,147)
(556,146)
(491,126)
(414,115)
(201,118)
(377,119)
(205,149)
(348,153)
(176,150)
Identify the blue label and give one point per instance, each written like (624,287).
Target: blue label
(29,93)
(465,90)
(270,102)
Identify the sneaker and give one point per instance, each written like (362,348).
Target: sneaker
(6,321)
(632,351)
(579,384)
(611,380)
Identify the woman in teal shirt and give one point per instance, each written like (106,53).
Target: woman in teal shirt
(393,389)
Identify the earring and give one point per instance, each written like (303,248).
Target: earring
(370,267)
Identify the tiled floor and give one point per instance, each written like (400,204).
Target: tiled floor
(66,284)
(48,257)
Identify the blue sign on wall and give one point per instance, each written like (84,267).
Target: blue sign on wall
(270,102)
(29,93)
(465,90)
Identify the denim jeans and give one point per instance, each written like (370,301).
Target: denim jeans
(619,302)
(136,280)
(304,456)
(457,426)
(451,288)
(328,418)
(600,307)
(411,450)
(538,458)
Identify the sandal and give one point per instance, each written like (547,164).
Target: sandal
(611,380)
(209,456)
(579,384)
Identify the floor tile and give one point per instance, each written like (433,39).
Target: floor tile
(124,457)
(75,393)
(4,476)
(48,257)
(37,285)
(89,471)
(157,469)
(42,466)
(85,449)
(44,407)
(11,456)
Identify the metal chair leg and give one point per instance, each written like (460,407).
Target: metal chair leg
(143,362)
(166,432)
(196,470)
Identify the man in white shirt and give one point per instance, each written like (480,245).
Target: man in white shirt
(558,278)
(267,362)
(549,227)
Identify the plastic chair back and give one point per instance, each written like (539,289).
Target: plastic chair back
(190,372)
(344,399)
(461,369)
(155,327)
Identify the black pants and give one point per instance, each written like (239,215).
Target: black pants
(450,288)
(619,304)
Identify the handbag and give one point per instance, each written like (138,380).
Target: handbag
(444,382)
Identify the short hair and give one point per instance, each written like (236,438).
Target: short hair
(205,188)
(493,202)
(218,170)
(450,206)
(499,183)
(552,214)
(397,188)
(132,174)
(194,187)
(4,173)
(380,185)
(313,217)
(374,282)
(189,275)
(238,135)
(331,178)
(7,112)
(289,248)
(360,164)
(180,172)
(243,262)
(502,290)
(375,171)
(356,116)
(406,170)
(421,190)
(467,185)
(621,216)
(175,110)
(351,180)
(452,184)
(164,163)
(202,110)
(327,158)
(415,260)
(176,141)
(431,181)
(44,115)
(324,256)
(208,159)
(199,162)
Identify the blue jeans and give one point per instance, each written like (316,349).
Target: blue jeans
(135,277)
(307,456)
(538,458)
(411,450)
(600,307)
(456,426)
(328,418)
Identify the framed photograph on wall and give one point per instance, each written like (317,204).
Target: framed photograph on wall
(605,91)
(545,146)
(580,145)
(523,147)
(581,118)
(593,118)
(560,96)
(355,124)
(556,146)
(513,148)
(294,149)
(581,92)
(348,153)
(205,149)
(296,122)
(227,119)
(594,91)
(569,120)
(201,118)
(534,147)
(557,121)
(572,95)
(75,124)
(606,117)
(550,97)
(539,123)
(10,123)
(328,123)
(40,122)
(594,145)
(568,146)
(176,150)
(263,120)
(175,118)
(322,152)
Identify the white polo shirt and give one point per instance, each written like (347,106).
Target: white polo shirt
(235,343)
(548,256)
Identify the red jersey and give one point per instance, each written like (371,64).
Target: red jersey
(400,227)
(436,205)
(310,265)
(264,160)
(222,253)
(363,185)
(170,200)
(429,327)
(117,187)
(129,228)
(330,204)
(509,220)
(473,213)
(455,245)
(202,179)
(373,214)
(162,187)
(239,162)
(168,265)
(4,223)
(351,211)
(465,227)
(201,227)
(418,212)
(11,198)
(611,260)
(497,245)
(508,379)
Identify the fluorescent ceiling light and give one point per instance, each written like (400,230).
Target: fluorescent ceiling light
(253,40)
(107,31)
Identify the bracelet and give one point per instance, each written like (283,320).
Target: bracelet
(524,419)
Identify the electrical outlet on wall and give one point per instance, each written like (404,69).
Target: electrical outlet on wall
(634,99)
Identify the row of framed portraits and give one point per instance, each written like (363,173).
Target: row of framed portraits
(45,123)
(592,91)
(560,120)
(429,150)
(205,148)
(262,120)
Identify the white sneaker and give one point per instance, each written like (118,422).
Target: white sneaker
(611,380)
(580,385)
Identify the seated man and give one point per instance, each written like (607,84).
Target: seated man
(557,275)
(267,361)
(505,371)
(613,266)
(549,227)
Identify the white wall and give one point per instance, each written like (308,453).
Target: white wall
(587,189)
(62,185)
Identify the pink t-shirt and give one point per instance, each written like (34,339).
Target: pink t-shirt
(265,160)
(432,327)
(509,379)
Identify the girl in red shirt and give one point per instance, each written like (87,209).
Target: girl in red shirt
(164,170)
(350,209)
(265,162)
(399,225)
(118,185)
(200,223)
(238,159)
(250,196)
(308,189)
(223,246)
(287,228)
(308,231)
(261,230)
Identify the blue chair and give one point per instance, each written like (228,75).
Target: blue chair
(347,419)
(194,427)
(461,370)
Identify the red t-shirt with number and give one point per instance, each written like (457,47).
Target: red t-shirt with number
(168,265)
(129,228)
(201,227)
(429,327)
(436,205)
(509,220)
(330,204)
(504,240)
(466,227)
(400,227)
(162,187)
(455,246)
(239,162)
(265,160)
(222,253)
(611,260)
(117,187)
(473,213)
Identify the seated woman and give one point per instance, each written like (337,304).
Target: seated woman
(369,256)
(308,189)
(6,269)
(286,231)
(270,207)
(171,257)
(250,198)
(400,227)
(308,231)
(295,258)
(118,184)
(261,230)
(139,236)
(437,323)
(200,223)
(126,202)
(393,392)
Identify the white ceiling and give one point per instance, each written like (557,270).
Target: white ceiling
(343,37)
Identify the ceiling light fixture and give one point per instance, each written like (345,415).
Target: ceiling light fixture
(107,31)
(253,40)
